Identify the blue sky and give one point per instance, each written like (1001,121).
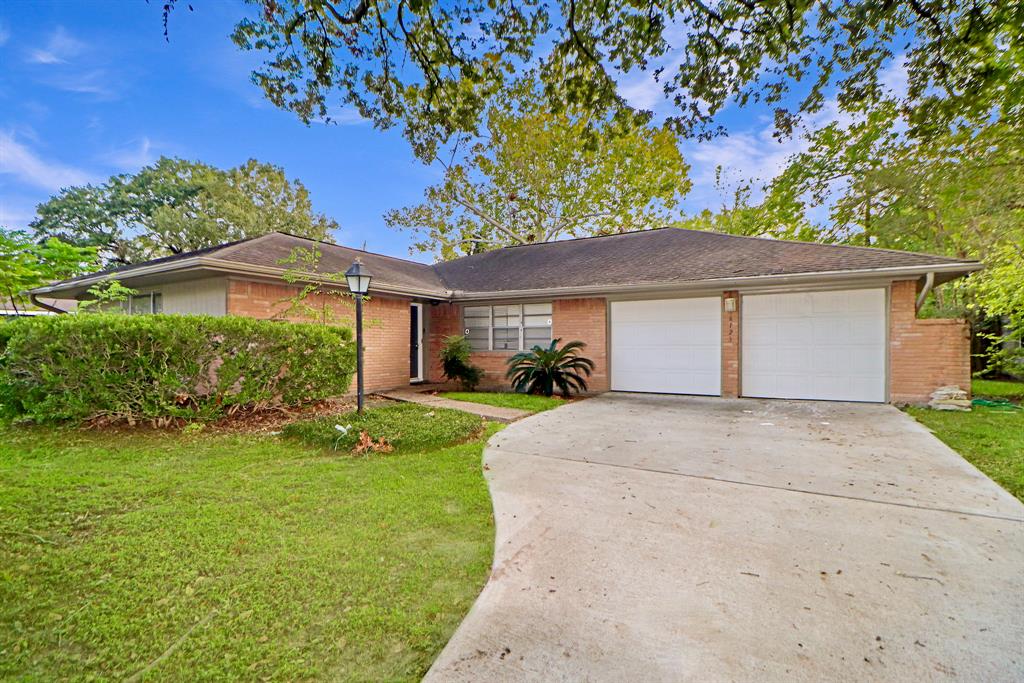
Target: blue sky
(91,89)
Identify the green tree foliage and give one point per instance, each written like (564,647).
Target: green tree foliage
(26,263)
(175,206)
(434,65)
(316,291)
(960,194)
(106,297)
(538,176)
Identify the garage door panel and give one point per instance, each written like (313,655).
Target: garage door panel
(759,330)
(669,359)
(668,382)
(667,346)
(792,331)
(815,345)
(826,331)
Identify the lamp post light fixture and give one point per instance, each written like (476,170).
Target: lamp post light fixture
(358,283)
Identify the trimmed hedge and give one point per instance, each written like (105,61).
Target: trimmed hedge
(155,367)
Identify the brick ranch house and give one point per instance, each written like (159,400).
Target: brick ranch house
(663,311)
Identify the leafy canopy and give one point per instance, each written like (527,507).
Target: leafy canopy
(433,65)
(29,263)
(960,194)
(538,176)
(175,206)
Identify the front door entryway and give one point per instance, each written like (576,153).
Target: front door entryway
(416,343)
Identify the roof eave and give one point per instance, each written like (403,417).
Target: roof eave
(237,268)
(227,268)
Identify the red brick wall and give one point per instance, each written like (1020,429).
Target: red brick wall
(587,321)
(446,320)
(924,354)
(583,319)
(386,323)
(443,320)
(731,347)
(494,366)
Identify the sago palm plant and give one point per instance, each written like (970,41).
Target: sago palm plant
(540,370)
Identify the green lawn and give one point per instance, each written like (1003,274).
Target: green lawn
(235,557)
(991,440)
(407,427)
(994,388)
(530,402)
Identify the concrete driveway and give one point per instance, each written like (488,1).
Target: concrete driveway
(655,538)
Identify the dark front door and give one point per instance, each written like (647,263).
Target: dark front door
(414,342)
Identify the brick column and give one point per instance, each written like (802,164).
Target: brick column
(444,320)
(924,354)
(585,320)
(731,346)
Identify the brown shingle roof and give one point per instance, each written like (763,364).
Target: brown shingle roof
(270,249)
(663,256)
(398,273)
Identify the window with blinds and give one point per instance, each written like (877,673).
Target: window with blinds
(509,327)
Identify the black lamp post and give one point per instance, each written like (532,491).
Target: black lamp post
(358,283)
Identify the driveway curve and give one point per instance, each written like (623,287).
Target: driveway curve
(661,538)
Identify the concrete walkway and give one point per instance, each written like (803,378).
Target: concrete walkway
(649,538)
(495,413)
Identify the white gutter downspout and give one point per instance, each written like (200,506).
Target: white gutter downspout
(45,306)
(929,282)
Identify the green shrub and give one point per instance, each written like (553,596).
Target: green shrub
(540,370)
(407,427)
(154,367)
(455,362)
(7,399)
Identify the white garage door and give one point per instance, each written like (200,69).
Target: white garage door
(818,345)
(669,346)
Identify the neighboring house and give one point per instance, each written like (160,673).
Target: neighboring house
(65,306)
(667,310)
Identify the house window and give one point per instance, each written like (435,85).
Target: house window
(511,327)
(144,304)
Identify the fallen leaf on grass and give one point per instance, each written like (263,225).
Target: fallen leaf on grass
(367,443)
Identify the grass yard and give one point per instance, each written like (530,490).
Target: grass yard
(990,439)
(407,427)
(237,557)
(996,388)
(530,402)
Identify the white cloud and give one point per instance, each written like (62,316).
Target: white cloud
(96,82)
(345,115)
(70,69)
(60,47)
(641,90)
(894,77)
(27,167)
(752,156)
(134,155)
